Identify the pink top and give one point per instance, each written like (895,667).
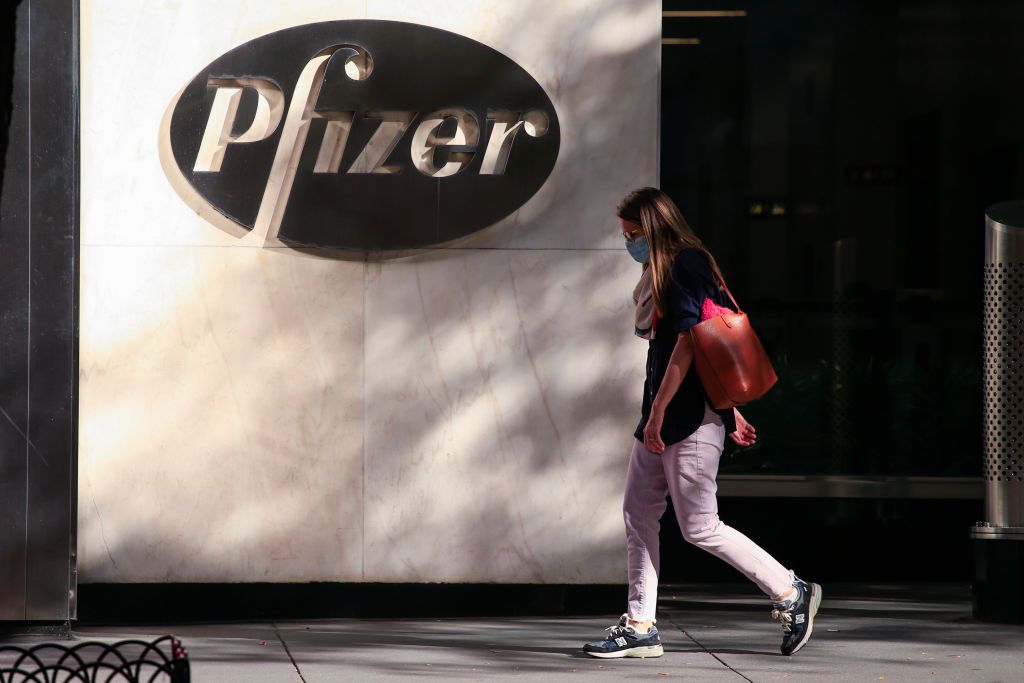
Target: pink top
(712,310)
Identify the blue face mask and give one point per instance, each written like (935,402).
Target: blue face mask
(639,249)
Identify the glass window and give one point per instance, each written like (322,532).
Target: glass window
(838,157)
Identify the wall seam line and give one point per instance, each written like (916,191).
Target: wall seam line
(362,494)
(28,341)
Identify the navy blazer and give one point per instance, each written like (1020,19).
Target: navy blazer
(692,282)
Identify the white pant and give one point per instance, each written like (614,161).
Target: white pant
(686,471)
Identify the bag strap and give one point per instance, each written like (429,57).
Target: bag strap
(732,298)
(721,283)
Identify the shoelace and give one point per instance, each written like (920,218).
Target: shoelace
(618,630)
(786,617)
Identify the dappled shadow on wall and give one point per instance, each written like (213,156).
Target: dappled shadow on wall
(244,380)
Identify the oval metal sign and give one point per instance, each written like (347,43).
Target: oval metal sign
(359,134)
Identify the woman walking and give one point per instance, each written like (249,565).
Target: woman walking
(680,437)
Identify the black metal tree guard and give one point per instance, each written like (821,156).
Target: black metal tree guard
(128,661)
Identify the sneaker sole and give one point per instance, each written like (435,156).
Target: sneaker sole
(815,602)
(646,651)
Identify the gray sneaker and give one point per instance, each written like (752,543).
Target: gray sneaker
(624,641)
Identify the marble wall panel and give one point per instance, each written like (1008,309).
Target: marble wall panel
(502,389)
(135,57)
(599,61)
(221,416)
(223,391)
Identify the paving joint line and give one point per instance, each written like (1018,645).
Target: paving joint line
(288,652)
(701,646)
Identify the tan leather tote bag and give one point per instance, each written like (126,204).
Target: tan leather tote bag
(731,362)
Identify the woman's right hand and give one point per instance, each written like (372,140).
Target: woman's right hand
(652,432)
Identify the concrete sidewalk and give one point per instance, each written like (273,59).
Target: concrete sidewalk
(863,633)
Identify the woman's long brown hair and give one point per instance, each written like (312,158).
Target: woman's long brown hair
(667,234)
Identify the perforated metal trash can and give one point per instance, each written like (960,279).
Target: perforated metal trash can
(999,539)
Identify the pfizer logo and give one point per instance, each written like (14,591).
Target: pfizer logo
(360,134)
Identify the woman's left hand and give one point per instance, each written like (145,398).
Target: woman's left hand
(745,434)
(652,432)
